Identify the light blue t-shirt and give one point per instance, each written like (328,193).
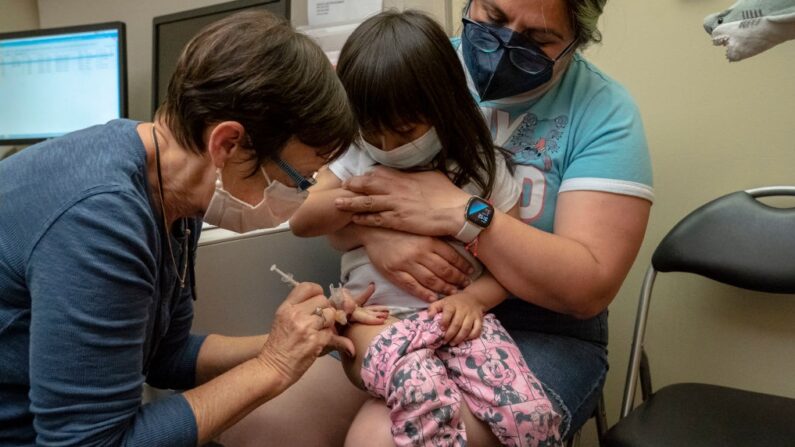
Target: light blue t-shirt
(90,307)
(585,133)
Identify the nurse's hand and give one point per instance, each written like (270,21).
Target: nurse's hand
(422,266)
(425,203)
(303,328)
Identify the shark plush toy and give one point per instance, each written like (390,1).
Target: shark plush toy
(750,27)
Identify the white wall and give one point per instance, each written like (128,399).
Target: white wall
(17,15)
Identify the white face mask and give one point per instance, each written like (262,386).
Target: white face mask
(279,202)
(413,154)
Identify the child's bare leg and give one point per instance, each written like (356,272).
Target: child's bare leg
(361,335)
(372,427)
(322,395)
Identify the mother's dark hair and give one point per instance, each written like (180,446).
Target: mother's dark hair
(584,15)
(254,68)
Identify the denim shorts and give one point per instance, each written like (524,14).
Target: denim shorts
(567,355)
(571,370)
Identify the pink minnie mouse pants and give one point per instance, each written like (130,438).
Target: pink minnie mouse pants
(423,380)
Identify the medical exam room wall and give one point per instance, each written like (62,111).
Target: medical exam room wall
(713,128)
(17,15)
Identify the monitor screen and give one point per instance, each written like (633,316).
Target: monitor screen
(55,81)
(172,32)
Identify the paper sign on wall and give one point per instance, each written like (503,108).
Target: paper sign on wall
(331,12)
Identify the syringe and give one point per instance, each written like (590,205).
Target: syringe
(336,293)
(286,277)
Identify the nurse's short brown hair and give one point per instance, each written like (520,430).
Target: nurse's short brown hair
(254,68)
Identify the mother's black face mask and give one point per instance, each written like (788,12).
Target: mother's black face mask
(504,63)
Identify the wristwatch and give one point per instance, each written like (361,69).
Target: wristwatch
(477,216)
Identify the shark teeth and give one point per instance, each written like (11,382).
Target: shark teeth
(720,41)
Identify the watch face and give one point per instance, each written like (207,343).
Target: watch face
(479,212)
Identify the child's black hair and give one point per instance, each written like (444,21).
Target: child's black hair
(400,68)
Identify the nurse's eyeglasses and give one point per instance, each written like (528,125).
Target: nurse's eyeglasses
(301,182)
(529,60)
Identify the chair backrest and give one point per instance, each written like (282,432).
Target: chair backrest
(734,239)
(737,240)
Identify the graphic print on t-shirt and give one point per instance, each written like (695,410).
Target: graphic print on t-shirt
(533,141)
(536,138)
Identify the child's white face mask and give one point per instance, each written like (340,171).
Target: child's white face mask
(278,204)
(415,153)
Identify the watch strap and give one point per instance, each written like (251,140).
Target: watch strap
(468,232)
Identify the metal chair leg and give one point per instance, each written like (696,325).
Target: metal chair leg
(601,420)
(574,441)
(645,377)
(601,425)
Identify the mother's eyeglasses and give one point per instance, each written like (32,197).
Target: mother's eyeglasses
(530,59)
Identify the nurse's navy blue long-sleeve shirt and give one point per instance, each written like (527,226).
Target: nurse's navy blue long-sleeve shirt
(90,303)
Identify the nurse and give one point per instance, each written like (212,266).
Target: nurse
(98,235)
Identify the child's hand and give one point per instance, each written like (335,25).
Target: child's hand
(349,308)
(462,317)
(369,315)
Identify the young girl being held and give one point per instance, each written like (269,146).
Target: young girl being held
(415,112)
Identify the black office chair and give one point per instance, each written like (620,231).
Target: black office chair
(736,240)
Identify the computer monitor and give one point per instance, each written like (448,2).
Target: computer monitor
(172,32)
(55,81)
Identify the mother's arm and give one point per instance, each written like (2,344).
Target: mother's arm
(576,270)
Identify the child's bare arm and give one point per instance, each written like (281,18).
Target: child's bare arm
(486,291)
(318,215)
(462,313)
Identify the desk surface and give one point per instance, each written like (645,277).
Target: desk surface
(214,235)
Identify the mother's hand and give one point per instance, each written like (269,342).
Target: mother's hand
(425,203)
(422,266)
(302,329)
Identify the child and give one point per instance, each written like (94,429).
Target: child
(409,94)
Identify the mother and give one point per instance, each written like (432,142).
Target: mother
(583,164)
